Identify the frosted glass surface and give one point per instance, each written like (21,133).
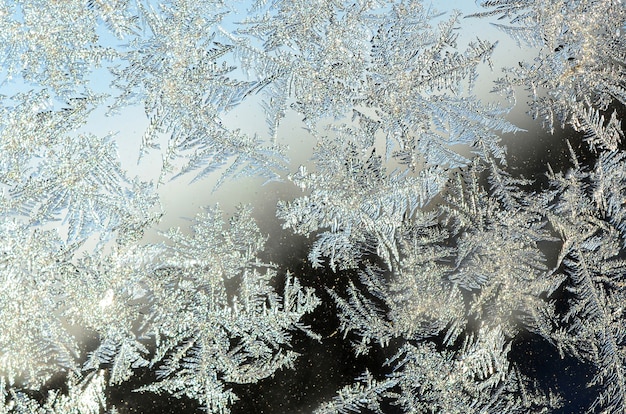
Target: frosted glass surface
(329,206)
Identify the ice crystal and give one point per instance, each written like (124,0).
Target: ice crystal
(430,257)
(580,66)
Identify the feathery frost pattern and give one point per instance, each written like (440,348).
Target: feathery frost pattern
(579,71)
(432,259)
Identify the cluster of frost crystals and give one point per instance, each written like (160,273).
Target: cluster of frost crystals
(440,255)
(208,336)
(408,89)
(472,271)
(182,72)
(578,74)
(52,44)
(360,204)
(381,64)
(79,321)
(34,342)
(165,309)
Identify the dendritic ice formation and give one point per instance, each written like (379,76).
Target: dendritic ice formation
(446,258)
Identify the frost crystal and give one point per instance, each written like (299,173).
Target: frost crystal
(431,260)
